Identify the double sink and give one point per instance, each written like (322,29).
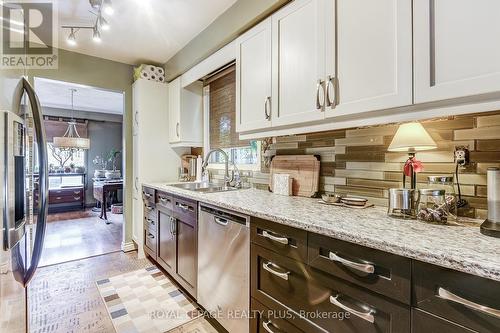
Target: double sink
(204,187)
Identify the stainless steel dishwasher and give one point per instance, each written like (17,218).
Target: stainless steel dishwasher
(224,266)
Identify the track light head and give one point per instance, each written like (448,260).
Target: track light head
(103,23)
(96,35)
(107,7)
(71,40)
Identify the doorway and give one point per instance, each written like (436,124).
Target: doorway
(84,128)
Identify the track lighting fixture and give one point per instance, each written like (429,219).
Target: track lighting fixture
(99,6)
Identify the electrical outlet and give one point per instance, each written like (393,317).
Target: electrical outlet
(461,156)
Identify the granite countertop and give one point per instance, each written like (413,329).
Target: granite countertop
(462,248)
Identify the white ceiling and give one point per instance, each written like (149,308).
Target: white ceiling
(142,31)
(57,94)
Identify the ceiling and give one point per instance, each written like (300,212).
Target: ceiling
(57,94)
(142,31)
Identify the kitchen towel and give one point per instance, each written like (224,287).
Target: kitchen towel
(282,184)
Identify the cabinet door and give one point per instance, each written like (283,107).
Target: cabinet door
(298,62)
(456,48)
(174,109)
(369,55)
(167,246)
(253,78)
(187,253)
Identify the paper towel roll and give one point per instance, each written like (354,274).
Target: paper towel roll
(159,71)
(145,75)
(151,68)
(161,79)
(493,181)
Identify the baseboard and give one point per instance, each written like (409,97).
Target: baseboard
(128,246)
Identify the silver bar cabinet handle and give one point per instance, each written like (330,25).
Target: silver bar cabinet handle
(329,86)
(183,206)
(449,296)
(267,326)
(164,200)
(368,316)
(319,106)
(267,102)
(172,221)
(177,129)
(282,240)
(365,268)
(147,195)
(267,267)
(149,208)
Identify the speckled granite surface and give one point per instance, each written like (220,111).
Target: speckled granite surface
(461,248)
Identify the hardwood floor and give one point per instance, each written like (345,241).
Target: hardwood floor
(78,235)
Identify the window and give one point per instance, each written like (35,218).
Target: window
(221,91)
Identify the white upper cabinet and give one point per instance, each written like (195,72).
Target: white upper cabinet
(185,112)
(253,77)
(456,48)
(368,55)
(298,62)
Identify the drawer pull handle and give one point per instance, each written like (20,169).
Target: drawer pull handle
(449,296)
(267,267)
(365,268)
(151,236)
(164,200)
(76,192)
(368,316)
(76,198)
(150,221)
(282,240)
(58,198)
(183,206)
(221,221)
(267,326)
(149,208)
(147,195)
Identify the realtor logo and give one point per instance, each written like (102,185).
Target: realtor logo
(28,34)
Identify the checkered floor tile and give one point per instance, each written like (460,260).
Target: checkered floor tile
(145,301)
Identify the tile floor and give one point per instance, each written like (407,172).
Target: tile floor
(64,298)
(78,235)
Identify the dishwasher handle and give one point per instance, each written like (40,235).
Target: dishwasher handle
(220,221)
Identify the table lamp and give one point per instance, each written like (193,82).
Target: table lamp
(410,138)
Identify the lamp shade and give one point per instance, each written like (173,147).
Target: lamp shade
(65,142)
(411,137)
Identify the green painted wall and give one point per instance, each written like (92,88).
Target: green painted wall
(106,74)
(238,18)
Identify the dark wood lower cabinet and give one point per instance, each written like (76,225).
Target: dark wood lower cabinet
(167,247)
(171,236)
(265,319)
(187,254)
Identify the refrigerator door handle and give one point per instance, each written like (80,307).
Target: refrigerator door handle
(43,180)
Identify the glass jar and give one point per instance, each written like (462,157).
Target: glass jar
(447,184)
(432,206)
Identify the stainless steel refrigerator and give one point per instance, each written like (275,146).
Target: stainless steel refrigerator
(23,167)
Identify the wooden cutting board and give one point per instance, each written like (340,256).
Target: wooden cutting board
(304,169)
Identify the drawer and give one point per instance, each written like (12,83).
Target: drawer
(465,299)
(64,192)
(423,322)
(151,225)
(55,199)
(375,270)
(275,320)
(150,211)
(186,210)
(150,240)
(363,311)
(148,195)
(285,240)
(275,277)
(164,201)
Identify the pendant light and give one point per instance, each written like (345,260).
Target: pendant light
(71,140)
